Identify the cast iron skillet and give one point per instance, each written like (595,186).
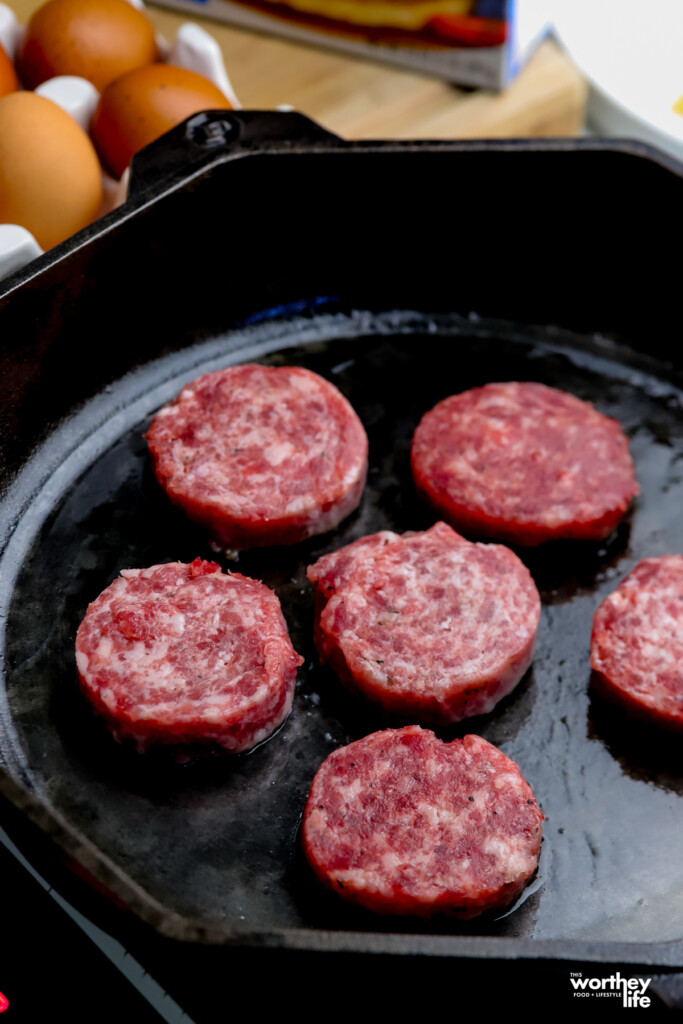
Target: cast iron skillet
(403,273)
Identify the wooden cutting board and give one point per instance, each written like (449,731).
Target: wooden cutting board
(363,100)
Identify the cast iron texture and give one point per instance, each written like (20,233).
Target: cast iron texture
(208,849)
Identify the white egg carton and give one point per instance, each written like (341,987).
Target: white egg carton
(193,49)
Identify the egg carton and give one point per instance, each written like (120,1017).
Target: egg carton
(193,49)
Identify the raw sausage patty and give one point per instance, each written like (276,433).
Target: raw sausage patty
(637,641)
(523,463)
(184,654)
(260,455)
(402,823)
(428,625)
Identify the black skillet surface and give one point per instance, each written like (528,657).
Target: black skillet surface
(208,847)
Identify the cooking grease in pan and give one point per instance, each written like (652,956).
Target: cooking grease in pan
(216,839)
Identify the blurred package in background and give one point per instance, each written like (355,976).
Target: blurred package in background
(468,42)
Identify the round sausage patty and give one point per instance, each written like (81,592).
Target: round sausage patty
(637,641)
(402,823)
(428,625)
(524,463)
(260,455)
(183,654)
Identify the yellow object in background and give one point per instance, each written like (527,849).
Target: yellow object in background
(678,105)
(50,177)
(412,14)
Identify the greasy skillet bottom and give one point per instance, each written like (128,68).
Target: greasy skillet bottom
(216,838)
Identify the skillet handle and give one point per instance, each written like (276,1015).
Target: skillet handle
(218,133)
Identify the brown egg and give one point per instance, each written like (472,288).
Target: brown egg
(140,106)
(8,76)
(50,177)
(96,39)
